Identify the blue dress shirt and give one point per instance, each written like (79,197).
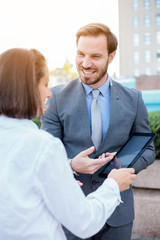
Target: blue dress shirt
(103,101)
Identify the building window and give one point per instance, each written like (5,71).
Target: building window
(136,39)
(158,19)
(147,38)
(136,57)
(158,37)
(148,71)
(158,71)
(136,72)
(147,21)
(147,4)
(157,3)
(135,22)
(135,5)
(147,56)
(158,55)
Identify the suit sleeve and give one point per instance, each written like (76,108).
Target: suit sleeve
(141,124)
(50,121)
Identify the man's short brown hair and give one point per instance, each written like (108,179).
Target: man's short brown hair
(20,72)
(96,29)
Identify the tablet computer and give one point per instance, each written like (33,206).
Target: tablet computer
(129,153)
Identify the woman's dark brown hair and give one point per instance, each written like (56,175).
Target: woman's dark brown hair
(96,29)
(20,73)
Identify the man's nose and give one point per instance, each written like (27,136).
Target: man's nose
(86,62)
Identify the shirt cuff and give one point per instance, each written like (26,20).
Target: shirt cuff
(114,185)
(75,173)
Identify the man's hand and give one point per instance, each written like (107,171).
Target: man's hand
(83,164)
(79,183)
(124,177)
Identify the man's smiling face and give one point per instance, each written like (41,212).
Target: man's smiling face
(92,60)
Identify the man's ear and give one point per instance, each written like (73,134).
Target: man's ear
(111,56)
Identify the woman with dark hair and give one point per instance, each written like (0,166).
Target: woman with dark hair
(38,192)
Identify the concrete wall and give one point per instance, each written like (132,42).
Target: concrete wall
(148,82)
(147,202)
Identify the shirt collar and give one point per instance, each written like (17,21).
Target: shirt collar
(103,89)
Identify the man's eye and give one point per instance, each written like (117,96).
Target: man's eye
(81,54)
(96,57)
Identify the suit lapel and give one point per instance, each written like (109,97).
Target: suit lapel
(82,111)
(114,109)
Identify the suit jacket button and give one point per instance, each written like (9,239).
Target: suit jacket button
(94,182)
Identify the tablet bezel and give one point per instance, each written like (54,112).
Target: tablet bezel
(152,136)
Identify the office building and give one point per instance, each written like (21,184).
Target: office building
(139,37)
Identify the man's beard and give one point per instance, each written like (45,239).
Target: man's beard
(87,81)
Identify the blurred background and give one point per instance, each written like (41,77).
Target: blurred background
(51,25)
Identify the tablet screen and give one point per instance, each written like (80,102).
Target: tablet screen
(130,152)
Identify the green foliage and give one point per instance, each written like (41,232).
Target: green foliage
(154,124)
(37,121)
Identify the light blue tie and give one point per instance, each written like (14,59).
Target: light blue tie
(96,119)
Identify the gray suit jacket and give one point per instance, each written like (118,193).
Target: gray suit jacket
(67,118)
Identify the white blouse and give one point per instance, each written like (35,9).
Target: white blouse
(38,192)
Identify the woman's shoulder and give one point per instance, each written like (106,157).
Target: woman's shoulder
(41,136)
(41,143)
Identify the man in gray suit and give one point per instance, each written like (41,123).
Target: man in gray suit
(123,112)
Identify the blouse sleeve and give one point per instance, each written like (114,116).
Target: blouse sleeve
(65,199)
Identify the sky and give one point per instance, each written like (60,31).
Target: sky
(50,26)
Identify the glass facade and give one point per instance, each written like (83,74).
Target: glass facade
(136,72)
(158,71)
(147,38)
(136,39)
(136,57)
(148,71)
(158,55)
(158,37)
(158,19)
(157,3)
(147,21)
(147,56)
(147,4)
(135,5)
(136,22)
